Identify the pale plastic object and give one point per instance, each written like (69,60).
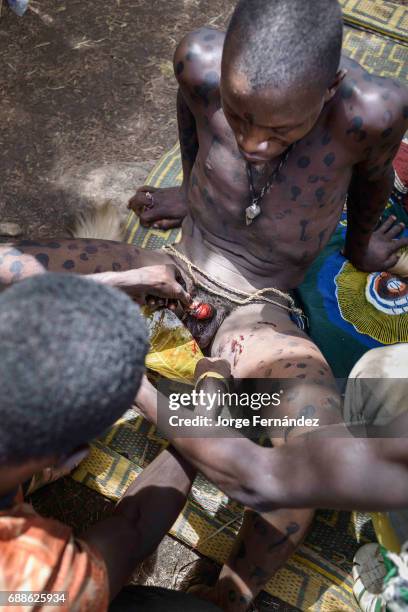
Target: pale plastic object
(401,267)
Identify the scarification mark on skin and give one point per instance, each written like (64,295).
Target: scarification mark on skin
(329,159)
(303,224)
(296,191)
(291,529)
(43,259)
(303,162)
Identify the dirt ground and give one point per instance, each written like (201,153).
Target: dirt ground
(88,102)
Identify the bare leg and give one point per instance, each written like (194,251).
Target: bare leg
(263,545)
(262,342)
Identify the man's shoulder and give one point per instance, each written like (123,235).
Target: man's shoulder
(371,107)
(197,59)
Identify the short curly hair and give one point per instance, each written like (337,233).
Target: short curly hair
(285,44)
(72,358)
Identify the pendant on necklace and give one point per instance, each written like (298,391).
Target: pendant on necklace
(252,212)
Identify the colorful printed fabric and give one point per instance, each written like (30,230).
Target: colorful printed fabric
(40,554)
(173,351)
(350,312)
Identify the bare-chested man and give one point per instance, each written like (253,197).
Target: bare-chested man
(276,130)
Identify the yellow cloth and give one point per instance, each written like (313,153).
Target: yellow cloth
(173,352)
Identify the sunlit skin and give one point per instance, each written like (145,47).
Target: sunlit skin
(346,137)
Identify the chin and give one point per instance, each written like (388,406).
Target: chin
(259,162)
(254,160)
(265,160)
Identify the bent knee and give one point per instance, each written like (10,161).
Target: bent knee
(383,362)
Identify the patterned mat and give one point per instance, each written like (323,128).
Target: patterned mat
(318,576)
(386,18)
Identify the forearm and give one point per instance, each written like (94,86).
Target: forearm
(302,474)
(143,516)
(329,468)
(296,475)
(227,462)
(17,263)
(339,473)
(141,259)
(342,473)
(130,281)
(366,203)
(188,138)
(138,279)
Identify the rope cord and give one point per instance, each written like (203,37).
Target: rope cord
(246,298)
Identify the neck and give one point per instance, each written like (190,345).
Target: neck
(264,168)
(266,174)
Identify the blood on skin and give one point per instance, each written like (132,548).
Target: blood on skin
(236,349)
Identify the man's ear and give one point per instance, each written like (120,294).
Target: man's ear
(335,85)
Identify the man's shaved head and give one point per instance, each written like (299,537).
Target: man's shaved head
(286,45)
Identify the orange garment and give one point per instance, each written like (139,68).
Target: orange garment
(41,554)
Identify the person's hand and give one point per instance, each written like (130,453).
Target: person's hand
(212,364)
(159,281)
(204,379)
(382,250)
(159,208)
